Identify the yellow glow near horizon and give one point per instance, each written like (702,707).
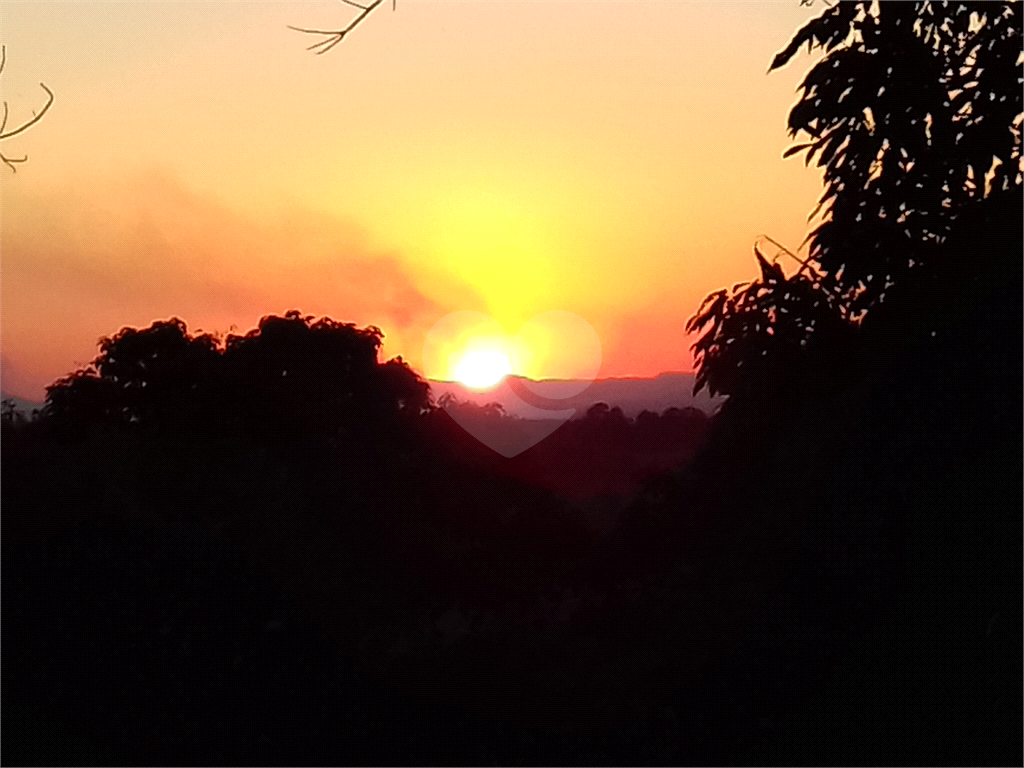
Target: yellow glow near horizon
(616,160)
(454,337)
(482,368)
(550,345)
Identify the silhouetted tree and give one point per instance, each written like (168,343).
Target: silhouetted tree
(492,410)
(291,377)
(914,112)
(8,411)
(762,327)
(847,430)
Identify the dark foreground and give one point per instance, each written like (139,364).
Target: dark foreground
(163,607)
(201,568)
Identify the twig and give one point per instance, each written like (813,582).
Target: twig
(25,126)
(335,36)
(10,161)
(36,117)
(805,264)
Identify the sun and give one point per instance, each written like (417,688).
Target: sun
(482,368)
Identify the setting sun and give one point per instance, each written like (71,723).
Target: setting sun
(457,367)
(482,368)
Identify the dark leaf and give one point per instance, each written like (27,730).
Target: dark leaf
(794,149)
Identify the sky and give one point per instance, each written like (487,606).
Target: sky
(614,160)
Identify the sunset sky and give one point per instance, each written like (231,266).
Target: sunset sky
(615,160)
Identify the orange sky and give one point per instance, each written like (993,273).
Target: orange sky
(611,159)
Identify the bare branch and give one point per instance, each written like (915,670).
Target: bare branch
(25,126)
(335,36)
(36,117)
(10,161)
(783,249)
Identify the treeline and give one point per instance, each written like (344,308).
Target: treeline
(199,534)
(271,550)
(602,452)
(285,579)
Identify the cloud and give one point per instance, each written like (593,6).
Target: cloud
(77,265)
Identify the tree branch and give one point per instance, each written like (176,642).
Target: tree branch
(335,36)
(36,117)
(805,263)
(10,161)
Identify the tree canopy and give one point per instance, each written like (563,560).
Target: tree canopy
(291,372)
(914,113)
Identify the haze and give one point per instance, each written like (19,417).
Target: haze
(615,160)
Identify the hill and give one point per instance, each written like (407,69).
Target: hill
(632,395)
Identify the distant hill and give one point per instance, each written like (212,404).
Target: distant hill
(632,395)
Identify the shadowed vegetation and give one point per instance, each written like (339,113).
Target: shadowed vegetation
(274,549)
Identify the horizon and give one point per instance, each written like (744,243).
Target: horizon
(555,380)
(570,455)
(5,394)
(38,398)
(446,157)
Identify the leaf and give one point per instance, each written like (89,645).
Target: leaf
(828,30)
(710,308)
(795,148)
(826,198)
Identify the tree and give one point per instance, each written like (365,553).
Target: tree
(914,112)
(291,377)
(852,381)
(762,327)
(8,412)
(36,117)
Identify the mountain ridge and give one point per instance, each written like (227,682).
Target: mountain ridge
(632,394)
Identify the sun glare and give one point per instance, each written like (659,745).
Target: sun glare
(482,368)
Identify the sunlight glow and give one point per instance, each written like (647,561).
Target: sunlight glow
(482,368)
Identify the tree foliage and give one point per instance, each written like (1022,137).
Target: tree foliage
(763,325)
(291,372)
(914,114)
